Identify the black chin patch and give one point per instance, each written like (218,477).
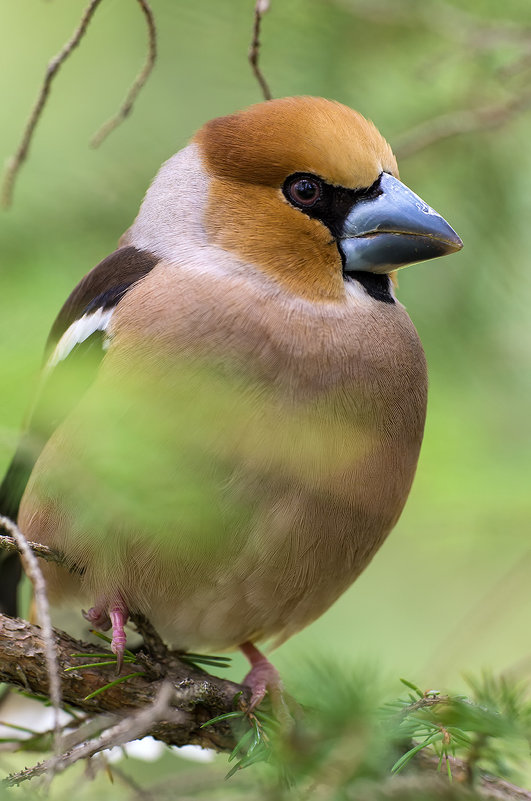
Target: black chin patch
(377,285)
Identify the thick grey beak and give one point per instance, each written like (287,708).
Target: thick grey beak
(394,229)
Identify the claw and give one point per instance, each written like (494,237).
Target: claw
(118,615)
(119,660)
(104,615)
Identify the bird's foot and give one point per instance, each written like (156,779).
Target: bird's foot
(105,615)
(118,614)
(263,677)
(98,617)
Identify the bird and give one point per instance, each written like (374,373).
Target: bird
(232,403)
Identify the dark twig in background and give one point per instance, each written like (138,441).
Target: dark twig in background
(254,51)
(139,81)
(470,35)
(443,18)
(456,123)
(15,162)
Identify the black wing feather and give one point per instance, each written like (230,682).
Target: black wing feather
(102,288)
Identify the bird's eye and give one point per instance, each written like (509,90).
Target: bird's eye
(304,191)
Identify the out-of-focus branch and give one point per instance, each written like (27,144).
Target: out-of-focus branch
(260,9)
(16,161)
(460,122)
(442,18)
(487,786)
(139,81)
(472,33)
(130,728)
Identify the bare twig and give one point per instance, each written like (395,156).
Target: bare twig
(15,162)
(444,19)
(139,81)
(138,791)
(33,571)
(260,9)
(130,728)
(460,122)
(473,34)
(10,545)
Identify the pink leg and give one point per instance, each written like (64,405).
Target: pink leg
(118,614)
(262,677)
(104,615)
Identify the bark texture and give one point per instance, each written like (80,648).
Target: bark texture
(198,696)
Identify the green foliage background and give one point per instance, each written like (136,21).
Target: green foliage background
(449,592)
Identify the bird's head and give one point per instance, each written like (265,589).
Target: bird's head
(307,190)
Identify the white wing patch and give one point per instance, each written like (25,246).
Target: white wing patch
(78,332)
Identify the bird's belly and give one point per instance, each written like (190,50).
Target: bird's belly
(240,518)
(304,552)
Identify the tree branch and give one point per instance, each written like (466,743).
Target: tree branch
(197,696)
(170,703)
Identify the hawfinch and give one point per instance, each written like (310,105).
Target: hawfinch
(233,402)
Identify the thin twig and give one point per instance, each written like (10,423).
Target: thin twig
(473,34)
(443,19)
(138,83)
(10,545)
(15,162)
(130,728)
(33,571)
(460,122)
(259,10)
(128,781)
